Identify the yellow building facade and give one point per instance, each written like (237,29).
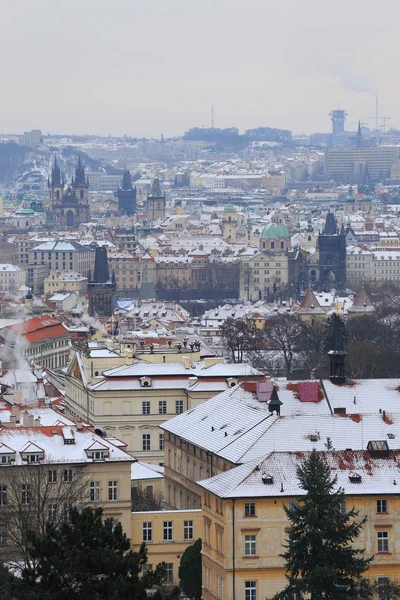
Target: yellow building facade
(243,537)
(166,534)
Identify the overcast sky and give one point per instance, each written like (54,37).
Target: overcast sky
(146,67)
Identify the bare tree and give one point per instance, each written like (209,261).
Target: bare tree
(240,336)
(284,332)
(144,499)
(33,495)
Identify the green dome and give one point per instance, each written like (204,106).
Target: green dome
(275,230)
(229,208)
(25,211)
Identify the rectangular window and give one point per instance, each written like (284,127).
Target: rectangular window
(293,504)
(250,590)
(146,407)
(68,475)
(188,530)
(161,441)
(26,493)
(162,407)
(381,506)
(178,406)
(113,490)
(146,441)
(169,573)
(383,541)
(249,509)
(250,545)
(167,531)
(147,531)
(383,588)
(52,476)
(52,513)
(3,534)
(3,495)
(94,491)
(342,507)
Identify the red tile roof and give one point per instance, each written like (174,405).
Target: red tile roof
(39,328)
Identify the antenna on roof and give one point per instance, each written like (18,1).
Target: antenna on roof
(212,116)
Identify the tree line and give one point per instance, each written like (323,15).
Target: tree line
(287,346)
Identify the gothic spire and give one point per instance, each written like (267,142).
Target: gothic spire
(126,181)
(55,173)
(80,178)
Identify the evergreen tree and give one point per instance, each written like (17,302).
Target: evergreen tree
(190,571)
(87,557)
(321,562)
(6,583)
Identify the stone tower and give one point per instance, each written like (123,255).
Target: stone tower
(127,196)
(332,255)
(101,288)
(155,202)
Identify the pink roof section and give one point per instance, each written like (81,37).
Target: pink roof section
(308,391)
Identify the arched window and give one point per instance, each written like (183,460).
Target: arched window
(58,194)
(81,194)
(309,238)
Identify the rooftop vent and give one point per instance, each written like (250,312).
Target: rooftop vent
(339,410)
(354,477)
(391,436)
(313,438)
(267,479)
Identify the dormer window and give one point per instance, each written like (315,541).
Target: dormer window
(97,451)
(98,454)
(32,453)
(354,477)
(145,381)
(68,436)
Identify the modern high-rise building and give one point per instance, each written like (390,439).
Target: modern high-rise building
(338,118)
(349,164)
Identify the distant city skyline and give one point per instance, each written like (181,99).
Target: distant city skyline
(156,67)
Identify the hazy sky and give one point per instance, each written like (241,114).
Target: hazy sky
(146,67)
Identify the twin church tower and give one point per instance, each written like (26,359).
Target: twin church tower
(69,206)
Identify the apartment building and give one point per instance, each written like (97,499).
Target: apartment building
(350,164)
(372,265)
(131,401)
(45,458)
(11,278)
(245,525)
(65,281)
(42,339)
(167,534)
(63,256)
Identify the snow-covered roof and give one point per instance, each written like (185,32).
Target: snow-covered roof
(377,475)
(50,439)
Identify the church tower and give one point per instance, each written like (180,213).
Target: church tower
(127,196)
(55,184)
(101,289)
(155,202)
(80,186)
(332,255)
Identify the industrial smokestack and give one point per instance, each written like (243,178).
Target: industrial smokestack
(376,113)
